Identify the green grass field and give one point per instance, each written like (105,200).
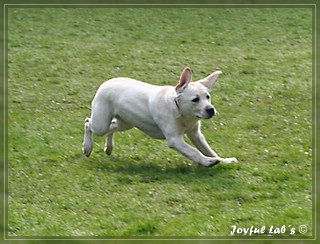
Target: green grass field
(58,57)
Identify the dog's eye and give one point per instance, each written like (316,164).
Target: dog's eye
(195,100)
(208,97)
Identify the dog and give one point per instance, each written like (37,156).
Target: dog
(162,112)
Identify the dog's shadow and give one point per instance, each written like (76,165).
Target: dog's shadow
(155,171)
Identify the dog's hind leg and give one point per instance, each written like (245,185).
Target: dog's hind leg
(116,125)
(88,138)
(98,124)
(109,140)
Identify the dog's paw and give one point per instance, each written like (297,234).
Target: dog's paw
(210,162)
(215,160)
(229,160)
(87,140)
(108,150)
(87,150)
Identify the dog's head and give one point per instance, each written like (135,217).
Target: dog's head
(193,98)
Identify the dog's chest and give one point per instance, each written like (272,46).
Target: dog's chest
(152,130)
(142,121)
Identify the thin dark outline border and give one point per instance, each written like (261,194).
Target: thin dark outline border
(314,110)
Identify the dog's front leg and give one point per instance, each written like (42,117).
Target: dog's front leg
(198,139)
(190,152)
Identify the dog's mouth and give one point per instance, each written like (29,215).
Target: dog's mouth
(203,117)
(206,116)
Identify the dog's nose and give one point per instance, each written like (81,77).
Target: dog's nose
(210,111)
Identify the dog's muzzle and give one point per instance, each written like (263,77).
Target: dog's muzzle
(210,111)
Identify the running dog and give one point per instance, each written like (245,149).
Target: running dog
(162,112)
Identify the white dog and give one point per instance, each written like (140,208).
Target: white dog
(162,112)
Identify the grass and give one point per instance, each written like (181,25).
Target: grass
(57,58)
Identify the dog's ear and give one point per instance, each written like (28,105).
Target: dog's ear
(185,79)
(210,80)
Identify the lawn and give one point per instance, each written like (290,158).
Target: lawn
(58,57)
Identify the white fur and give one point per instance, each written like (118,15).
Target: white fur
(162,112)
